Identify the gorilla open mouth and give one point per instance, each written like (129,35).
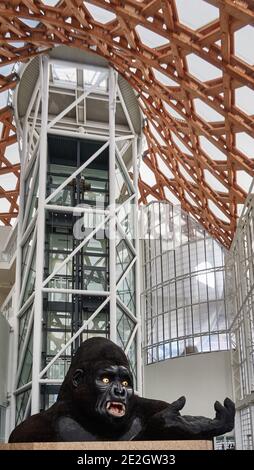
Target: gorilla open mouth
(115,408)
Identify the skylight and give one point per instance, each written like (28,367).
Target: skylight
(148,175)
(245,143)
(172,111)
(244,38)
(180,145)
(164,168)
(92,76)
(164,79)
(198,15)
(201,69)
(185,174)
(244,180)
(63,74)
(206,112)
(244,99)
(211,150)
(214,182)
(100,14)
(217,212)
(171,197)
(149,38)
(50,3)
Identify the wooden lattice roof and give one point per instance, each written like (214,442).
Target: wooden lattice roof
(195,84)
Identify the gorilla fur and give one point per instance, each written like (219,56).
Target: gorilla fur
(96,402)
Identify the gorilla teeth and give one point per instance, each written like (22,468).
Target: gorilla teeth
(115,408)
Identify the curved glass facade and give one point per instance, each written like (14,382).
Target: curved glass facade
(183,296)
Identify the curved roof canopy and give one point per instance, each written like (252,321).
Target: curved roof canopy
(191,62)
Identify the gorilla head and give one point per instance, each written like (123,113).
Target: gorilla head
(99,383)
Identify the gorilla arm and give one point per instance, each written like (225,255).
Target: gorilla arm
(169,424)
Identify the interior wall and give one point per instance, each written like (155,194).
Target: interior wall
(4,233)
(6,275)
(202,378)
(4,346)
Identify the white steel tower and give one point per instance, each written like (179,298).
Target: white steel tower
(79,129)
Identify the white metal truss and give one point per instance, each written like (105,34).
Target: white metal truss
(240,296)
(33,132)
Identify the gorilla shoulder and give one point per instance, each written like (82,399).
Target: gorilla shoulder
(37,428)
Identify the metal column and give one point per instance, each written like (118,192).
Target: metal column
(112,204)
(38,301)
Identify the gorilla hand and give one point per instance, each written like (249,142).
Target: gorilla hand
(178,404)
(169,424)
(225,415)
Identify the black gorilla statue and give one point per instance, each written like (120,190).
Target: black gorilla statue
(96,402)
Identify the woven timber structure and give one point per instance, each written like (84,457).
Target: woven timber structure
(151,45)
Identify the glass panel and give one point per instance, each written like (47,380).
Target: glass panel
(57,174)
(28,182)
(62,241)
(91,77)
(59,368)
(26,250)
(126,290)
(123,191)
(98,246)
(96,187)
(132,356)
(55,260)
(125,327)
(28,188)
(34,200)
(99,326)
(126,218)
(124,257)
(59,282)
(21,404)
(90,186)
(49,398)
(30,283)
(125,149)
(63,75)
(26,371)
(56,340)
(58,320)
(2,423)
(23,325)
(95,279)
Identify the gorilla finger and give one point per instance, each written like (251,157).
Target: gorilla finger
(219,408)
(229,405)
(179,404)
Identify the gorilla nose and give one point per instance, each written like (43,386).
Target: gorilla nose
(119,391)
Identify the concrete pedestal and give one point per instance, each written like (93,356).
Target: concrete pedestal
(130,445)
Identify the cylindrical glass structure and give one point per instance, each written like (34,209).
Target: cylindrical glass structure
(183,294)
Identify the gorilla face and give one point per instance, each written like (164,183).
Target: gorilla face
(114,390)
(111,389)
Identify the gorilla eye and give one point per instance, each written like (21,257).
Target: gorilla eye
(105,380)
(125,383)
